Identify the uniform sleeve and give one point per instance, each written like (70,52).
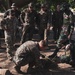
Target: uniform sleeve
(17,23)
(22,16)
(6,13)
(3,22)
(71,24)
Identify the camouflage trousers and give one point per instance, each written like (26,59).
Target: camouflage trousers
(27,30)
(9,41)
(44,34)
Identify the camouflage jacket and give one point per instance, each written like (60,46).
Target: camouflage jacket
(28,49)
(9,24)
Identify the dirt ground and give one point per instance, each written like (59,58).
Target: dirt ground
(64,69)
(7,64)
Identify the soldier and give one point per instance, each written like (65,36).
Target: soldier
(29,53)
(61,42)
(69,27)
(44,22)
(70,24)
(17,15)
(28,19)
(9,25)
(57,22)
(68,19)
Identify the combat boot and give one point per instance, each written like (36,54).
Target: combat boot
(17,68)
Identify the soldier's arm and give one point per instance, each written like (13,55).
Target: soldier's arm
(3,22)
(6,13)
(17,23)
(37,20)
(22,15)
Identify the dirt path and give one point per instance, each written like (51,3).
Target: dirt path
(65,69)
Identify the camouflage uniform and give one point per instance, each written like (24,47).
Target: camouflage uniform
(62,41)
(44,24)
(68,27)
(68,21)
(27,53)
(9,25)
(29,20)
(17,15)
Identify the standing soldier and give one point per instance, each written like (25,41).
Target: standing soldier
(28,19)
(9,25)
(57,22)
(68,20)
(17,15)
(69,24)
(44,22)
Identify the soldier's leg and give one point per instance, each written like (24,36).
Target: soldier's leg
(31,62)
(69,28)
(18,67)
(0,43)
(59,31)
(19,63)
(46,33)
(9,46)
(31,68)
(9,51)
(55,33)
(25,31)
(31,32)
(72,53)
(41,33)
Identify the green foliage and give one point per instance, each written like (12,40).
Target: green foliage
(41,1)
(52,3)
